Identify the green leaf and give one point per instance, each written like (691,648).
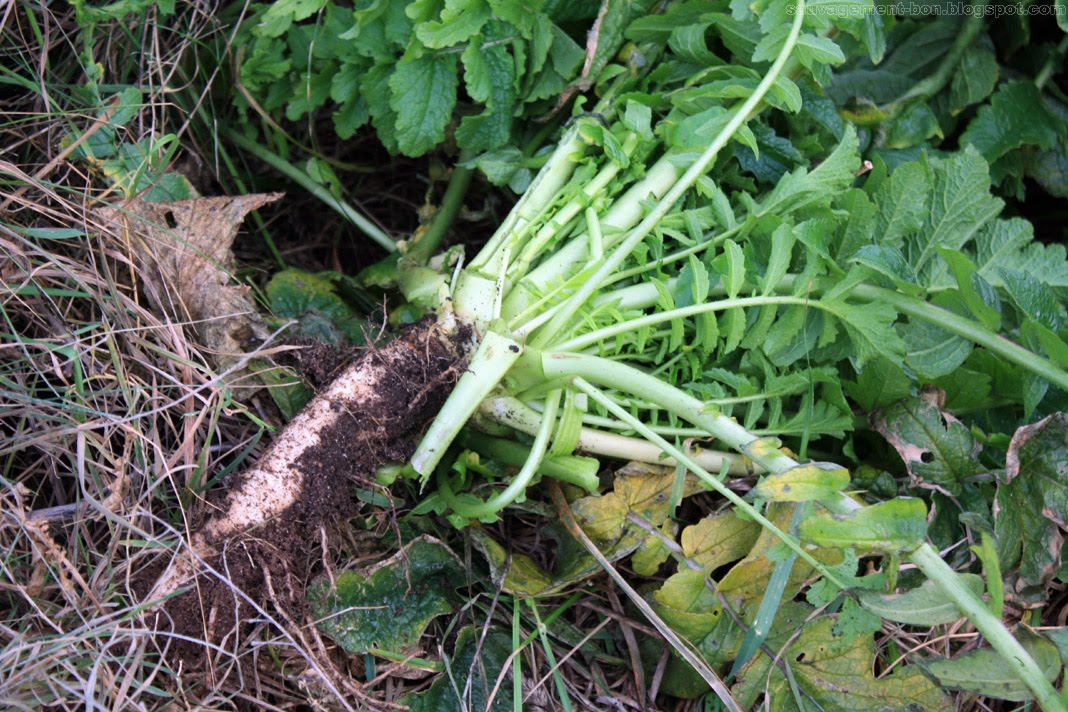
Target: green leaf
(911,127)
(1031,503)
(879,384)
(814,480)
(975,78)
(731,265)
(489,73)
(782,248)
(350,116)
(1033,298)
(937,449)
(389,605)
(1015,116)
(903,203)
(1050,169)
(812,50)
(460,21)
(313,300)
(501,165)
(688,42)
(933,352)
(638,118)
(870,328)
(733,268)
(976,293)
(898,525)
(926,605)
(287,390)
(1009,244)
(375,86)
(1059,637)
(524,15)
(422,94)
(803,188)
(1052,344)
(282,14)
(693,283)
(960,204)
(889,262)
(613,18)
(857,229)
(470,676)
(985,672)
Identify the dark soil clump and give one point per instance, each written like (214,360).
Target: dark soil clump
(271,564)
(317,362)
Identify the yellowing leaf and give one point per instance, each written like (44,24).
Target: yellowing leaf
(653,552)
(688,604)
(719,539)
(744,585)
(837,673)
(894,526)
(522,577)
(817,480)
(640,488)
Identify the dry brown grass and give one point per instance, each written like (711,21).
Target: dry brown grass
(111,417)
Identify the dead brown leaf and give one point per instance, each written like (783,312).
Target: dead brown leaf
(182,254)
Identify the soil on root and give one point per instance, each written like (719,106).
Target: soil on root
(271,564)
(317,362)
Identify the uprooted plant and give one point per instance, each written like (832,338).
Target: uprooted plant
(640,293)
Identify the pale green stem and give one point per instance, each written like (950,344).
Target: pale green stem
(540,193)
(623,327)
(564,216)
(574,469)
(519,484)
(966,328)
(643,296)
(1014,654)
(517,415)
(928,560)
(629,379)
(622,216)
(495,355)
(695,171)
(930,86)
(305,181)
(669,259)
(427,244)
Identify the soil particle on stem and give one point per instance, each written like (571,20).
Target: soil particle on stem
(270,563)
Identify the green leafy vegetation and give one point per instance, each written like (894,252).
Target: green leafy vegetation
(755,308)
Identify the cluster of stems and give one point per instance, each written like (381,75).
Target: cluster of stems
(558,253)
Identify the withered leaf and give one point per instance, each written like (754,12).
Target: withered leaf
(182,254)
